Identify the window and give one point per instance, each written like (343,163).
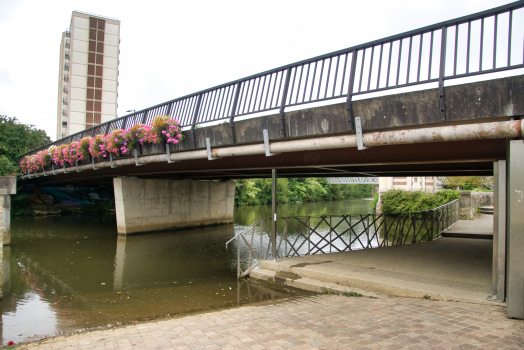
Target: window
(95,72)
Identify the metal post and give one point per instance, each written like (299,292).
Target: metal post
(442,73)
(283,104)
(274,212)
(233,113)
(193,123)
(349,102)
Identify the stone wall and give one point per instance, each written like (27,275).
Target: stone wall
(469,202)
(147,205)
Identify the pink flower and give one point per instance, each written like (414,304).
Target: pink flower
(163,131)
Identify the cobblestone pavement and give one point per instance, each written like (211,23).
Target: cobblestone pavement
(318,322)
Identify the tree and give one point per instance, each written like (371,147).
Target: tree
(466,182)
(17,139)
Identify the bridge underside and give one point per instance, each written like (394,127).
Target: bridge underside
(429,159)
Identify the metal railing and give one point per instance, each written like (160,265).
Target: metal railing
(309,235)
(480,43)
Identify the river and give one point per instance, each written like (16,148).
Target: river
(68,273)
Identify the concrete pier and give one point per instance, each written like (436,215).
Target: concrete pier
(147,205)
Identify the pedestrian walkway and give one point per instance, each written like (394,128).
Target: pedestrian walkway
(447,268)
(318,322)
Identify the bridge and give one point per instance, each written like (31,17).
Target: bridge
(349,113)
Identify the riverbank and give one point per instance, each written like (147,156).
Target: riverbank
(319,322)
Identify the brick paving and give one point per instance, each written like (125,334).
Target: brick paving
(318,322)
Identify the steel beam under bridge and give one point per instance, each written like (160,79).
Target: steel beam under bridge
(353,180)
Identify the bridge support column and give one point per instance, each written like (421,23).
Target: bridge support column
(147,205)
(515,230)
(499,229)
(7,188)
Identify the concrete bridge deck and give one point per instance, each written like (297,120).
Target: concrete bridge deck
(447,268)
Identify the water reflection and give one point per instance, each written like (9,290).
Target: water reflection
(65,273)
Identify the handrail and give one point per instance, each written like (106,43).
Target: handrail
(309,235)
(411,58)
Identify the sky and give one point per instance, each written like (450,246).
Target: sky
(172,48)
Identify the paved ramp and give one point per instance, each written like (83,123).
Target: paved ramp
(448,268)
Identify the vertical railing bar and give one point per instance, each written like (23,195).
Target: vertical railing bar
(247,93)
(183,108)
(320,79)
(389,63)
(336,75)
(430,54)
(313,81)
(251,95)
(399,60)
(268,89)
(224,103)
(455,53)
(362,68)
(371,66)
(273,93)
(495,42)
(420,56)
(509,36)
(409,59)
(212,105)
(343,74)
(379,65)
(279,87)
(262,93)
(220,99)
(299,82)
(256,94)
(203,107)
(305,83)
(442,72)
(481,43)
(468,47)
(328,73)
(292,86)
(240,98)
(175,112)
(191,103)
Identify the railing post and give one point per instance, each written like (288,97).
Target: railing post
(169,108)
(442,73)
(349,102)
(107,128)
(193,123)
(283,104)
(233,114)
(432,224)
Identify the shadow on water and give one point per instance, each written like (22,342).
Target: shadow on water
(65,273)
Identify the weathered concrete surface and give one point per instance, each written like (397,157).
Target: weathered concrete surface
(469,202)
(318,322)
(7,188)
(481,227)
(145,205)
(447,268)
(490,99)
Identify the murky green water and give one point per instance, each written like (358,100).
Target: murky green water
(64,273)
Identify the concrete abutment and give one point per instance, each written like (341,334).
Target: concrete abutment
(148,205)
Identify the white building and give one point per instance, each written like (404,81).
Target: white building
(88,73)
(408,183)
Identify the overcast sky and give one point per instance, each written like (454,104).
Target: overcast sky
(173,48)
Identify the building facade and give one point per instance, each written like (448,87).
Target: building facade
(88,74)
(409,183)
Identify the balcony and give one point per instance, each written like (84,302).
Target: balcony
(65,90)
(64,112)
(66,77)
(66,66)
(64,100)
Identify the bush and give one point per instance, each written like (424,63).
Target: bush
(398,201)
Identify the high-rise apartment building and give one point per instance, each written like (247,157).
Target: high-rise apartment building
(88,75)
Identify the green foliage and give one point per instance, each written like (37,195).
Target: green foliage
(293,190)
(6,167)
(398,201)
(351,294)
(17,139)
(466,183)
(20,205)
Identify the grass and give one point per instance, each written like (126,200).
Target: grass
(427,296)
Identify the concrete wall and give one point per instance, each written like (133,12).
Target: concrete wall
(145,205)
(469,202)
